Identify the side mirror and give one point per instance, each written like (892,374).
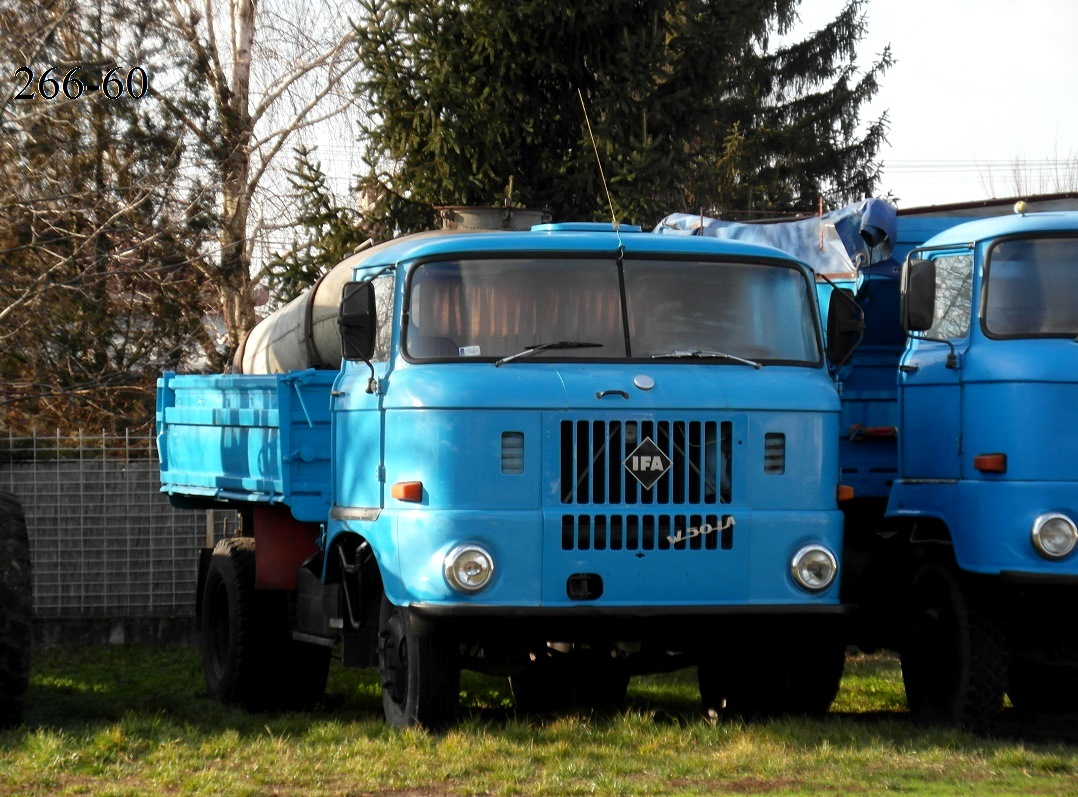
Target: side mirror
(357,321)
(845,326)
(919,295)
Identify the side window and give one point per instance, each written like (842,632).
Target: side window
(954,296)
(383,302)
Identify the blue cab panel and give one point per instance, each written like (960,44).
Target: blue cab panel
(987,396)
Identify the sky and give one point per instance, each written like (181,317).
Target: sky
(977,85)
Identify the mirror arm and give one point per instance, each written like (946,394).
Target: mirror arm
(953,362)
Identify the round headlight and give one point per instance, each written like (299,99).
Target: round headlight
(813,568)
(1053,536)
(468,568)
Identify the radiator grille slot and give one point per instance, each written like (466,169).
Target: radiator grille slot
(774,453)
(592,453)
(646,532)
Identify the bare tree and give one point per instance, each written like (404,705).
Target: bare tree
(274,69)
(99,221)
(1053,174)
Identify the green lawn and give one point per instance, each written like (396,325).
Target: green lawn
(135,721)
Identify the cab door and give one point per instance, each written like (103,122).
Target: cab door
(358,417)
(930,376)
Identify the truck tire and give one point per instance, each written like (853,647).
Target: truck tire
(954,664)
(232,638)
(1037,686)
(420,672)
(248,654)
(15,611)
(766,678)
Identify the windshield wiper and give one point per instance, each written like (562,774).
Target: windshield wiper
(699,353)
(561,344)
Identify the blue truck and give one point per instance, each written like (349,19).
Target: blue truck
(978,528)
(957,443)
(567,455)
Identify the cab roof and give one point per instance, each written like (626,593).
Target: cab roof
(998,226)
(578,237)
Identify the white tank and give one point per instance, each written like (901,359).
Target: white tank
(470,217)
(303,333)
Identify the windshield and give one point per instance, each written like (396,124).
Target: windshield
(1031,288)
(574,308)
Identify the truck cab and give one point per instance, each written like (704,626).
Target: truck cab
(569,455)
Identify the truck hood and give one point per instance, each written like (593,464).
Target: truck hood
(625,386)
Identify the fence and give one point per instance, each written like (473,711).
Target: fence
(104,542)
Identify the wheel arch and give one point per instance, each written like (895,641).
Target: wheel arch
(352,562)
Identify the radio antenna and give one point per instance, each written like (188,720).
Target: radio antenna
(598,160)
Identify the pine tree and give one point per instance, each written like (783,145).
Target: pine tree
(328,232)
(690,104)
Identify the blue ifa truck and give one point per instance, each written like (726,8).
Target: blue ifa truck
(958,442)
(979,522)
(566,455)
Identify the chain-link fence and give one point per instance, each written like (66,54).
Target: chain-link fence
(104,541)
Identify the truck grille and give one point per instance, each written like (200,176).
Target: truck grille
(646,532)
(592,453)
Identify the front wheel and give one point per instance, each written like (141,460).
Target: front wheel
(420,672)
(954,664)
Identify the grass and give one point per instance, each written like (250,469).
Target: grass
(136,721)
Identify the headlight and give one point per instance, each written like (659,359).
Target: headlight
(813,568)
(468,568)
(1053,536)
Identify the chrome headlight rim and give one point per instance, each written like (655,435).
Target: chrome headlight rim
(798,572)
(1039,540)
(459,557)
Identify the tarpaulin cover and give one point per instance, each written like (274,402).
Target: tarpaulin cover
(852,236)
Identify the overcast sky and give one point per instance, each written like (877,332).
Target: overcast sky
(977,84)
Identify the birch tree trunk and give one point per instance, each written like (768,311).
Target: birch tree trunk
(278,71)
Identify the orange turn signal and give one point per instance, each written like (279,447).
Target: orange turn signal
(845,492)
(990,463)
(407,491)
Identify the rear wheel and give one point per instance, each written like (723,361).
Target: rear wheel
(953,662)
(233,640)
(248,654)
(420,672)
(15,610)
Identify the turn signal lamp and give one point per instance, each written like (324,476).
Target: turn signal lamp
(407,491)
(845,492)
(990,463)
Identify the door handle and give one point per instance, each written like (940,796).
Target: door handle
(621,393)
(908,369)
